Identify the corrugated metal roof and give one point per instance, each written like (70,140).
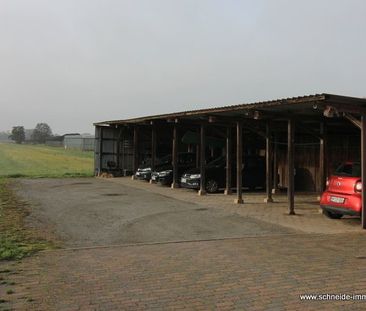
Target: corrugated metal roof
(241,107)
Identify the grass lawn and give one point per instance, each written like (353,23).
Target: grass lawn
(16,239)
(34,161)
(42,161)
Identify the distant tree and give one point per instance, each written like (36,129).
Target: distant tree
(17,134)
(41,133)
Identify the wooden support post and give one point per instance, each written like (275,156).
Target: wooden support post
(228,190)
(269,198)
(202,190)
(322,157)
(290,166)
(197,156)
(100,150)
(275,165)
(239,162)
(363,170)
(120,133)
(135,150)
(153,149)
(123,157)
(175,157)
(198,150)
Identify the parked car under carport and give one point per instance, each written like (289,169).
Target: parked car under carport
(144,172)
(164,175)
(254,171)
(343,193)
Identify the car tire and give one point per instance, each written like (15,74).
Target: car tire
(332,215)
(212,186)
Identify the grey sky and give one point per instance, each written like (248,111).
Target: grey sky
(73,62)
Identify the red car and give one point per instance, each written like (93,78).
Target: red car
(343,193)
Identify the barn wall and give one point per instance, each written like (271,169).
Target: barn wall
(106,150)
(342,147)
(114,149)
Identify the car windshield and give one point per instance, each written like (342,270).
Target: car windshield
(349,169)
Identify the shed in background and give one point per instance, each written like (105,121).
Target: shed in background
(79,142)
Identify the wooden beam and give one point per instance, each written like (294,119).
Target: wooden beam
(175,157)
(219,132)
(353,120)
(223,119)
(239,163)
(202,190)
(228,189)
(291,166)
(173,120)
(307,130)
(280,115)
(269,155)
(255,130)
(363,170)
(246,119)
(347,108)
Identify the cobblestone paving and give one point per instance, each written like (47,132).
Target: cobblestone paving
(262,272)
(259,273)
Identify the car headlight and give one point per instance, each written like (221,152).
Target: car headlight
(165,173)
(195,176)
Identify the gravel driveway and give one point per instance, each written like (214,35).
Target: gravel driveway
(94,212)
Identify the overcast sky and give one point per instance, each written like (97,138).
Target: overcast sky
(74,62)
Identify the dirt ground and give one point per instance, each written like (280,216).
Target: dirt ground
(94,212)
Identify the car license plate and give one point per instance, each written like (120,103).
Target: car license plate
(184,180)
(337,200)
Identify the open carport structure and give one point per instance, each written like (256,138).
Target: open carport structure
(302,138)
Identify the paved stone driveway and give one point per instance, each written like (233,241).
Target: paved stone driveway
(261,273)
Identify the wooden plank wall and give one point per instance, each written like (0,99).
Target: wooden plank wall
(340,148)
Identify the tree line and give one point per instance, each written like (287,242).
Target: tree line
(40,134)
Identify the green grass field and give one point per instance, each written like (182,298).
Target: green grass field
(42,161)
(16,239)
